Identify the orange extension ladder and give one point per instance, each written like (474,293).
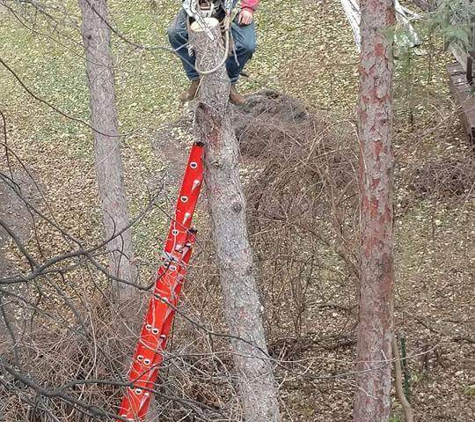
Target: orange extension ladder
(169,282)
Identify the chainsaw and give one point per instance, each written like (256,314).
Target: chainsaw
(201,9)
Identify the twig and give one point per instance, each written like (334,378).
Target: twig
(408,413)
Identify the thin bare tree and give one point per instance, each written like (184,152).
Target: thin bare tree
(227,206)
(100,72)
(375,330)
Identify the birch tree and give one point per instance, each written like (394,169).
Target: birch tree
(100,73)
(375,330)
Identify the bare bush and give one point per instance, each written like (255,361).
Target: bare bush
(443,178)
(68,353)
(302,204)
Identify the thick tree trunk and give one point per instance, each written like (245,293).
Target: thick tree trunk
(96,37)
(375,331)
(227,207)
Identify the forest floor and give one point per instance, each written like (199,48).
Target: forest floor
(306,50)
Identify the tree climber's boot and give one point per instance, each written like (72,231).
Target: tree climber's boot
(191,92)
(235,97)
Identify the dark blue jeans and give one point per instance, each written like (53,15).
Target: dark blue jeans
(244,37)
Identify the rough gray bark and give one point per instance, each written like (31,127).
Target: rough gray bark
(227,208)
(100,73)
(375,330)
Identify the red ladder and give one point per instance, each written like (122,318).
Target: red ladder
(169,282)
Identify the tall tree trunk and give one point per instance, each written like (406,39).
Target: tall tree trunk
(375,331)
(100,73)
(227,208)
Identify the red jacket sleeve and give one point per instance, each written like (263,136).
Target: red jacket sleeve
(249,4)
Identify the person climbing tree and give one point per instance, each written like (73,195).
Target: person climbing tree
(243,34)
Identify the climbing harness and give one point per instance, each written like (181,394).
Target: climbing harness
(169,282)
(201,9)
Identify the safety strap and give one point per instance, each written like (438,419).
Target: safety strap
(169,281)
(193,10)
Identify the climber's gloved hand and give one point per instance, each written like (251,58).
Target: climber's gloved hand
(245,17)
